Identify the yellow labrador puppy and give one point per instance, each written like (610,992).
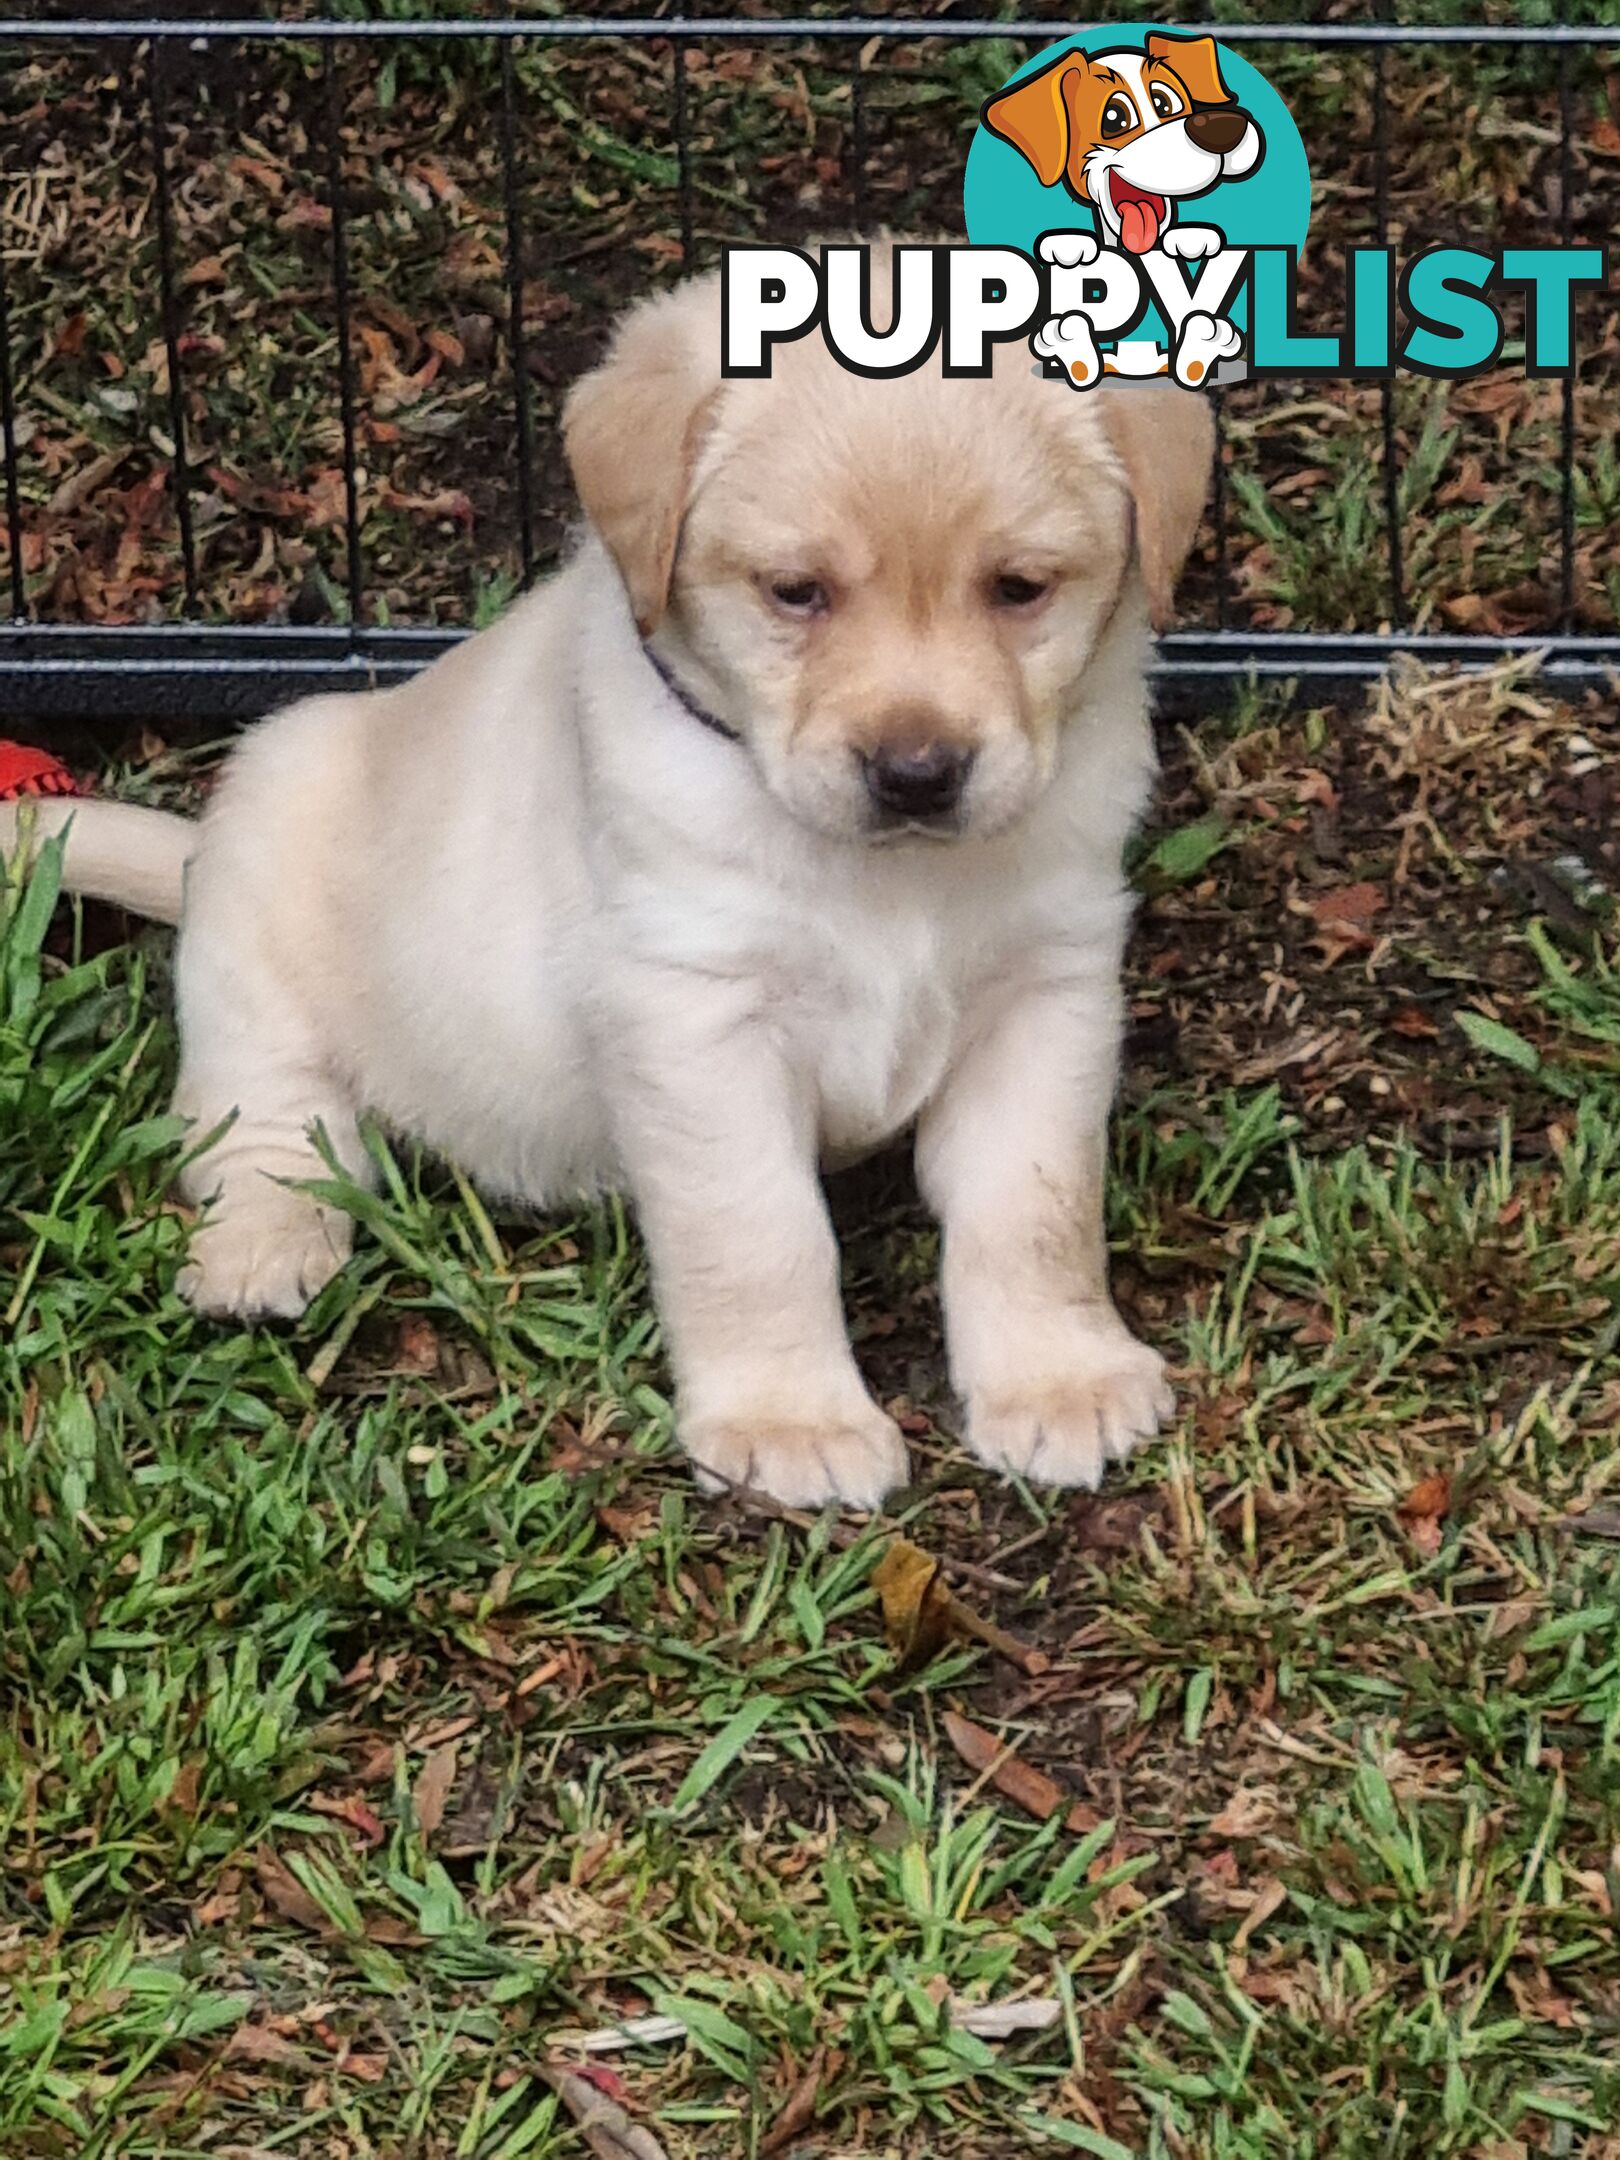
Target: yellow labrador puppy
(786,817)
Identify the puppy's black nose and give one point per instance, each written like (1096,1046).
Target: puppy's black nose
(917,783)
(1218,131)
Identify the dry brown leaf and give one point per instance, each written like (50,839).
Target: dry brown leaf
(1246,1814)
(1430,1496)
(377,1763)
(434,174)
(219,1905)
(603,2124)
(1028,1788)
(257,2043)
(1539,2001)
(442,503)
(798,2111)
(183,1793)
(631,1526)
(916,1603)
(430,1736)
(1277,1987)
(1348,904)
(349,1808)
(1422,1511)
(920,1614)
(286,1893)
(1314,786)
(417,1349)
(392,1932)
(256,169)
(432,1788)
(1112,1526)
(85,481)
(547,1669)
(1270,1895)
(1298,483)
(1413,1023)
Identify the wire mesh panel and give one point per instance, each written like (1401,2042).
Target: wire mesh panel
(287,311)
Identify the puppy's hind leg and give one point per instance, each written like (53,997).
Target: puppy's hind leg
(264,1247)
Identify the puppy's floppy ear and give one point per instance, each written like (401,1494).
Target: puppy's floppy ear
(632,429)
(1165,439)
(1034,117)
(1198,64)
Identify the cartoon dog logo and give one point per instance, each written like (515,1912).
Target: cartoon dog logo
(1132,135)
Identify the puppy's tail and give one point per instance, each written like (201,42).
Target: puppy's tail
(115,851)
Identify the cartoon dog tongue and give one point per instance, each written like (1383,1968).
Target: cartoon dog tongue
(1139,219)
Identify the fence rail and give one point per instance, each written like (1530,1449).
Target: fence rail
(56,669)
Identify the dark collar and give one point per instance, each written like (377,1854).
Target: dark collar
(684,698)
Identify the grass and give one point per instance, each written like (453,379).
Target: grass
(381,1711)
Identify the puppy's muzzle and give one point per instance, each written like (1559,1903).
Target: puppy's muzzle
(1218,132)
(916,785)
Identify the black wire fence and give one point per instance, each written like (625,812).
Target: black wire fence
(1349,522)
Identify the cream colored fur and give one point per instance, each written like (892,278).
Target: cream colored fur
(113,851)
(530,910)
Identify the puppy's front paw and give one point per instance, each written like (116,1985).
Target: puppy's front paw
(1203,343)
(1192,243)
(1069,250)
(854,1459)
(1070,342)
(1063,1423)
(265,1262)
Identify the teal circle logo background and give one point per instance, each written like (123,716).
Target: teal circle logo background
(1006,206)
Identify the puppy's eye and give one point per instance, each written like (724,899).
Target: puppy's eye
(1164,102)
(799,595)
(1012,591)
(1119,116)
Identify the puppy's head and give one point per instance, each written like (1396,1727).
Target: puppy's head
(892,590)
(1129,132)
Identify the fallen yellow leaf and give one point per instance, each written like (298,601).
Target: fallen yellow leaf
(916,1604)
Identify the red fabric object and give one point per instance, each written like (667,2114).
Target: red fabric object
(33,772)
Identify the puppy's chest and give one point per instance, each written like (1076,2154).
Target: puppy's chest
(877,1025)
